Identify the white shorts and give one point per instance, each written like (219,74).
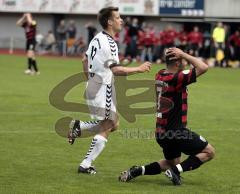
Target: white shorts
(101,100)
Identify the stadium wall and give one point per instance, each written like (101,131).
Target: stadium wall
(47,22)
(226,11)
(222,8)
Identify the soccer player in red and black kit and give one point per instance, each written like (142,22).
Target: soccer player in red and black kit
(171,132)
(30,26)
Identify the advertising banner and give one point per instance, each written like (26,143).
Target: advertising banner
(181,7)
(138,7)
(8,5)
(126,7)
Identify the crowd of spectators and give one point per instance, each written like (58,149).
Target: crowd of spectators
(219,47)
(142,41)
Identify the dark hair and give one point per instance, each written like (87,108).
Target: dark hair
(170,61)
(104,15)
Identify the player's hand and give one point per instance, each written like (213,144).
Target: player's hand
(145,67)
(175,53)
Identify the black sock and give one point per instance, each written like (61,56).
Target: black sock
(34,64)
(152,169)
(137,172)
(191,163)
(29,63)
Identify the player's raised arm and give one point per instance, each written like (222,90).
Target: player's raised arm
(21,20)
(120,70)
(199,65)
(29,18)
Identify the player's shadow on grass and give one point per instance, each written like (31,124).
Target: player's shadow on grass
(162,181)
(149,181)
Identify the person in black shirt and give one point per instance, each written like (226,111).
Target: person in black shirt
(62,38)
(30,27)
(92,31)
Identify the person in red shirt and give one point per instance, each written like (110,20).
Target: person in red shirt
(127,38)
(183,40)
(30,27)
(148,41)
(234,42)
(172,133)
(195,39)
(169,36)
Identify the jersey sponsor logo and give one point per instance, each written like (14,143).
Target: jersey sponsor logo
(202,138)
(186,71)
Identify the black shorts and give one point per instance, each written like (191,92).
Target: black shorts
(30,45)
(175,142)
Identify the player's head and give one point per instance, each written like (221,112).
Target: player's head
(220,24)
(195,29)
(109,18)
(171,63)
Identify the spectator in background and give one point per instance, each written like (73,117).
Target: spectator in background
(183,40)
(167,39)
(80,46)
(148,42)
(127,38)
(71,35)
(133,34)
(169,36)
(206,48)
(61,38)
(50,41)
(219,43)
(195,40)
(40,42)
(219,35)
(92,31)
(234,43)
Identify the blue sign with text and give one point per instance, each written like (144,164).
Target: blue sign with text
(181,7)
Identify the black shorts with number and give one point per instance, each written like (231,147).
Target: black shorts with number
(175,142)
(30,45)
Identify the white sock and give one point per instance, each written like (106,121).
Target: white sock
(96,147)
(143,170)
(179,167)
(88,124)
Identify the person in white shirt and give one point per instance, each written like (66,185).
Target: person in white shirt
(101,64)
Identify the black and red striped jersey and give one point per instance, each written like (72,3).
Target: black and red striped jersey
(173,88)
(30,30)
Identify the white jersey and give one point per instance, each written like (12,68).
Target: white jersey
(102,54)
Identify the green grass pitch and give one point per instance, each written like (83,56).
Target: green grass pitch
(34,159)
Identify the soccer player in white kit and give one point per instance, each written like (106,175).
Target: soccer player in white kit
(100,65)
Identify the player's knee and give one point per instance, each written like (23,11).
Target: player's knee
(210,152)
(30,54)
(105,133)
(115,126)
